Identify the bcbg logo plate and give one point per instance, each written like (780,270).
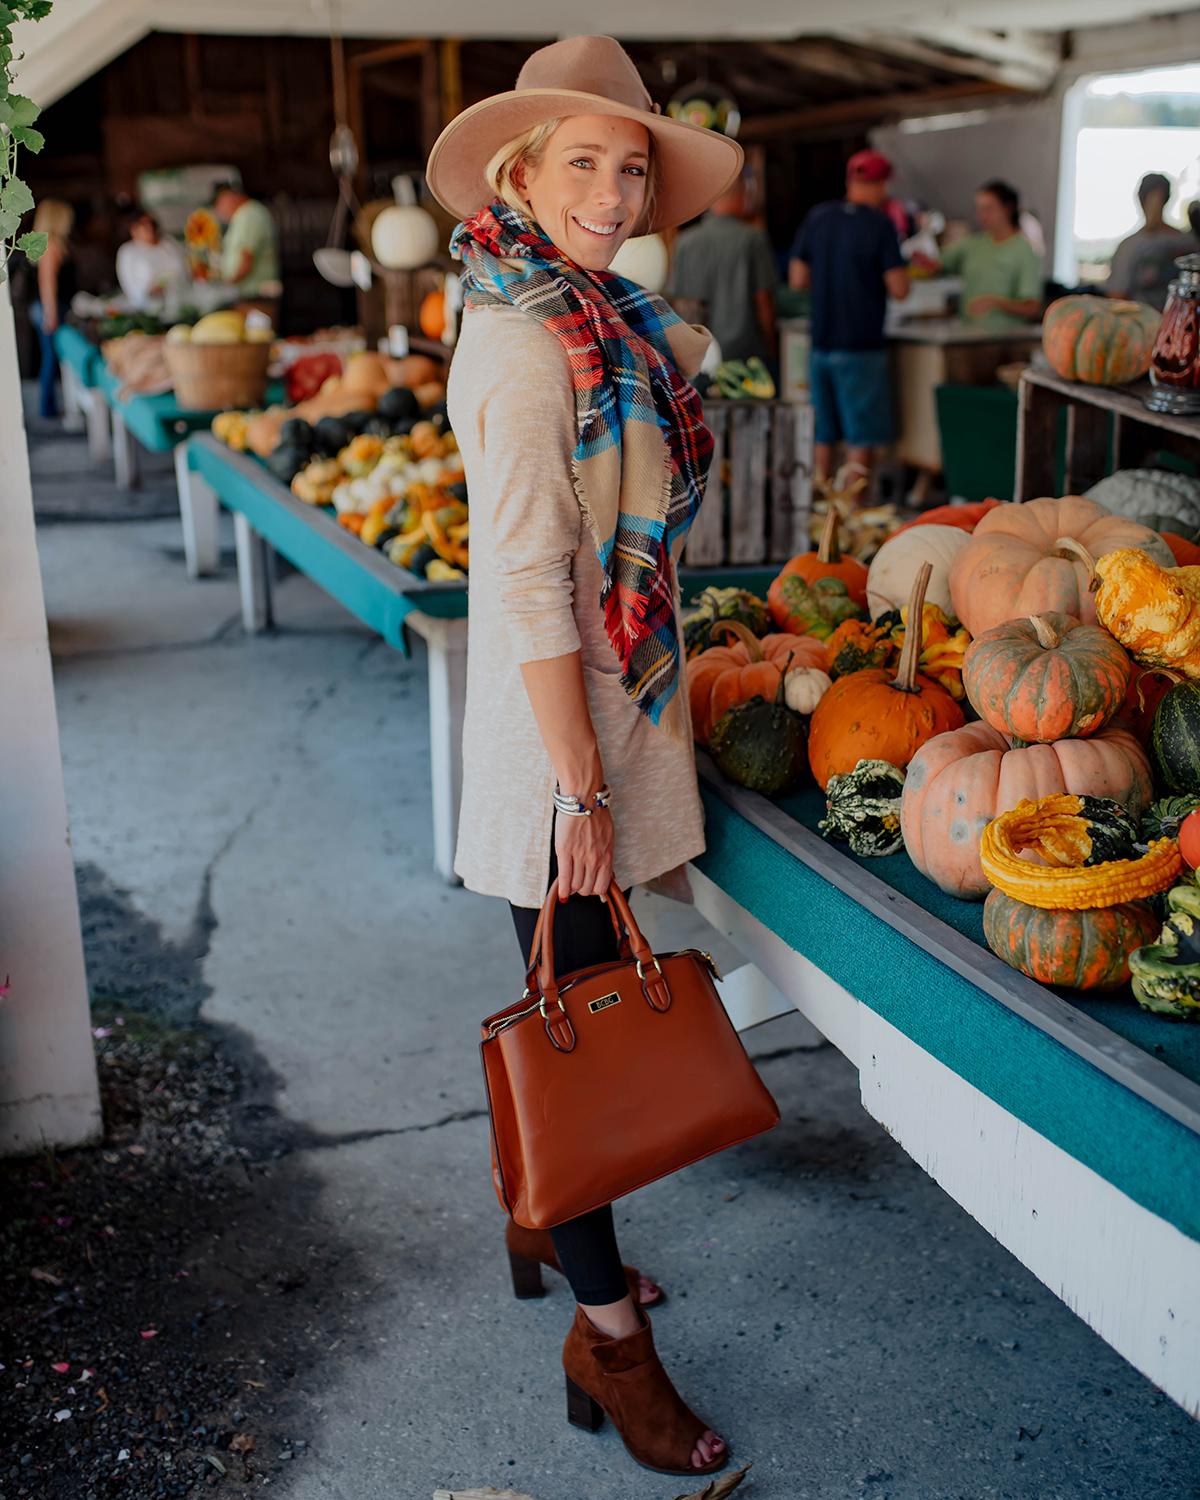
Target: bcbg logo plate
(604,1002)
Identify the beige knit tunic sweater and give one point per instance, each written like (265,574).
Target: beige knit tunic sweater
(535,594)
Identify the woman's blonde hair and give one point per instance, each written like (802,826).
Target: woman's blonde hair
(55,218)
(530,147)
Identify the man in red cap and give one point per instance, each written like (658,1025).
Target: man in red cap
(848,253)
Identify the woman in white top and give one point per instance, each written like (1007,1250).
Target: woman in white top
(150,263)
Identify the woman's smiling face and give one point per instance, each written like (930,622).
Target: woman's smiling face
(588,189)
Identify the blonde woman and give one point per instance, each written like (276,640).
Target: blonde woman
(55,277)
(585,455)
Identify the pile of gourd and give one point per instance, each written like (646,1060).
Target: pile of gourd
(381,455)
(1055,688)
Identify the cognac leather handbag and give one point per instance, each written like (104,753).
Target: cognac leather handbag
(611,1077)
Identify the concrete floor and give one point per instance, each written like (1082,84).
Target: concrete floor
(265,802)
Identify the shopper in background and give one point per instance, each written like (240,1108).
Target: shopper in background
(149,263)
(249,250)
(1143,264)
(848,253)
(56,286)
(729,266)
(1001,271)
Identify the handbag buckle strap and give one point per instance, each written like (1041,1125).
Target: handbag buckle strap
(655,987)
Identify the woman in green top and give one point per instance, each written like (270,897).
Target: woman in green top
(1002,279)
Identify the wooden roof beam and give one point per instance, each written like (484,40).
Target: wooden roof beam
(1022,59)
(832,62)
(875,109)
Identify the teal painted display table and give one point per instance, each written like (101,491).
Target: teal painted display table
(1069,1128)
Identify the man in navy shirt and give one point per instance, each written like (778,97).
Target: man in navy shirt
(848,253)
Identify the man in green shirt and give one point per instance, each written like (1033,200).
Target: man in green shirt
(1002,279)
(249,248)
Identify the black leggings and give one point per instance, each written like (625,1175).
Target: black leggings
(586,1246)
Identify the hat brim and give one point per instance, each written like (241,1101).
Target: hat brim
(696,165)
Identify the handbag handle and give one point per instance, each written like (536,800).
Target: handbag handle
(624,949)
(654,983)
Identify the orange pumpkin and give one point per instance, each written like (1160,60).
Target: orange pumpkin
(1185,553)
(1099,340)
(724,675)
(965,517)
(826,562)
(958,782)
(1046,678)
(1014,564)
(432,316)
(871,715)
(855,645)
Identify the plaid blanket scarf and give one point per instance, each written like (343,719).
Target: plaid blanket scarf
(643,450)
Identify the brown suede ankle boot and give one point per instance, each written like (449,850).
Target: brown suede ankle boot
(529,1249)
(624,1380)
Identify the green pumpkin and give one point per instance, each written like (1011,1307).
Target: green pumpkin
(762,746)
(1113,832)
(818,608)
(1166,975)
(1161,819)
(863,808)
(1175,739)
(722,604)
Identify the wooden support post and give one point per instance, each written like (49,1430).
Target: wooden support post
(125,452)
(706,539)
(99,426)
(446,641)
(254,582)
(431,99)
(199,512)
(48,1092)
(450,52)
(749,426)
(1037,427)
(72,417)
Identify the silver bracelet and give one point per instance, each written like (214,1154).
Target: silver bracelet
(572,806)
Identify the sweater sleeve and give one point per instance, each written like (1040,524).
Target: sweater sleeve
(536,523)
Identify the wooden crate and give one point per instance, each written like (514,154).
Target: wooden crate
(759,494)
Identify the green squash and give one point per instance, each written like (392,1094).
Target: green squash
(1158,498)
(1166,976)
(762,746)
(722,604)
(1175,739)
(1112,830)
(1079,950)
(817,609)
(863,808)
(1161,819)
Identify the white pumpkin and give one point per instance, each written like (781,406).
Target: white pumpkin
(898,561)
(804,687)
(643,259)
(404,236)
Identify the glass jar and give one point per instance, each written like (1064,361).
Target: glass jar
(1175,362)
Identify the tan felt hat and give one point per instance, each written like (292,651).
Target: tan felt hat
(587,75)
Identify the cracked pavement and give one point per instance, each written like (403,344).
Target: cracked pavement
(265,804)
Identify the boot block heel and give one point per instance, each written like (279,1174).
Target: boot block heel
(582,1411)
(526,1277)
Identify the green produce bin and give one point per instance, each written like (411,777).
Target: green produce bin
(978,426)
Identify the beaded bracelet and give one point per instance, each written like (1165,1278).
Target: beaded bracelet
(572,806)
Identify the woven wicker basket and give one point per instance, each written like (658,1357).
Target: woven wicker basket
(216,377)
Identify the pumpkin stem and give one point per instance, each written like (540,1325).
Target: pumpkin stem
(743,633)
(779,703)
(1047,636)
(1068,544)
(905,680)
(828,550)
(1154,672)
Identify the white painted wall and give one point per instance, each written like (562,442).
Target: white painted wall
(48,1089)
(1019,143)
